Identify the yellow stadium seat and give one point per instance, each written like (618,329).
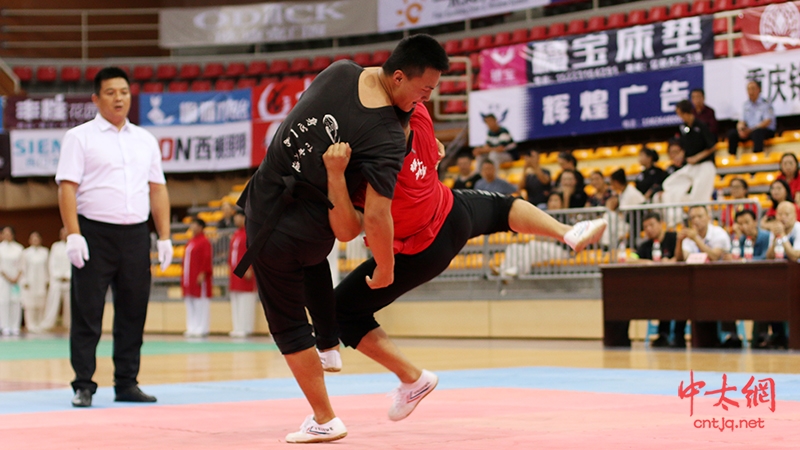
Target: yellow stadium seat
(633,169)
(590,190)
(608,170)
(607,152)
(514,177)
(659,147)
(583,154)
(178,251)
(238,187)
(629,150)
(785,137)
(449,182)
(586,171)
(726,161)
(723,182)
(215,203)
(722,145)
(181,236)
(773,158)
(762,178)
(663,163)
(452,169)
(750,159)
(548,158)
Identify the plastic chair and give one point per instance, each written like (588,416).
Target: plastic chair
(235,69)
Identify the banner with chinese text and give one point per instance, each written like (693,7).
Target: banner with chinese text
(394,15)
(642,100)
(779,74)
(265,22)
(643,48)
(771,28)
(200,132)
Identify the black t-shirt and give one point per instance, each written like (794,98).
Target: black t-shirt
(329,111)
(645,250)
(696,138)
(537,191)
(469,183)
(578,198)
(653,176)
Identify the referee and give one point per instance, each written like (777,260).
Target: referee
(110,178)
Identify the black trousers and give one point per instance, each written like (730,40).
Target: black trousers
(291,274)
(757,136)
(474,213)
(119,256)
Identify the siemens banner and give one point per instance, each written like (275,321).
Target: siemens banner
(643,100)
(200,132)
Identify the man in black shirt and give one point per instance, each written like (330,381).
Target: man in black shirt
(466,179)
(699,172)
(667,240)
(286,203)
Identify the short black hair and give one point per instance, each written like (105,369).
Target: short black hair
(465,155)
(652,154)
(13,231)
(619,177)
(745,212)
(568,156)
(238,211)
(199,221)
(488,161)
(741,180)
(597,172)
(701,91)
(651,215)
(685,106)
(674,141)
(415,54)
(486,116)
(108,73)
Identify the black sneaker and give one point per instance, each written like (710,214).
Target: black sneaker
(679,343)
(732,342)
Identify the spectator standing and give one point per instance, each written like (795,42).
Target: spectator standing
(196,280)
(699,172)
(60,270)
(33,281)
(757,124)
(491,183)
(499,147)
(228,211)
(466,178)
(702,111)
(242,290)
(10,301)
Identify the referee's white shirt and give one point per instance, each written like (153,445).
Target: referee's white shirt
(113,169)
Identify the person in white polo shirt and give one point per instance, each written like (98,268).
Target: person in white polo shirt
(702,236)
(109,180)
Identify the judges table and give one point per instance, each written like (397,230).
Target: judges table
(703,293)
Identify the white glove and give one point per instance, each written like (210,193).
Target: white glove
(77,250)
(164,253)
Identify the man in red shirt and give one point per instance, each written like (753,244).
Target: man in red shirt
(196,281)
(242,290)
(432,224)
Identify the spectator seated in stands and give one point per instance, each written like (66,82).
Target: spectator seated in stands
(466,178)
(789,173)
(739,191)
(747,228)
(602,192)
(573,195)
(499,147)
(651,175)
(778,193)
(536,180)
(555,201)
(667,241)
(702,236)
(228,211)
(757,123)
(568,162)
(489,181)
(787,235)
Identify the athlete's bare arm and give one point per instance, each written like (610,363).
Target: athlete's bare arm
(346,222)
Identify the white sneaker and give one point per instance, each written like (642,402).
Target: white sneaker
(407,396)
(311,431)
(331,360)
(585,233)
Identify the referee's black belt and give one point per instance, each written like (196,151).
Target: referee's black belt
(293,191)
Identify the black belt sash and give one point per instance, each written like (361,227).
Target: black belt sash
(294,190)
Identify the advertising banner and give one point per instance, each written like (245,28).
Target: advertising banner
(643,48)
(55,111)
(779,74)
(35,152)
(394,15)
(265,22)
(643,100)
(200,132)
(271,104)
(771,28)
